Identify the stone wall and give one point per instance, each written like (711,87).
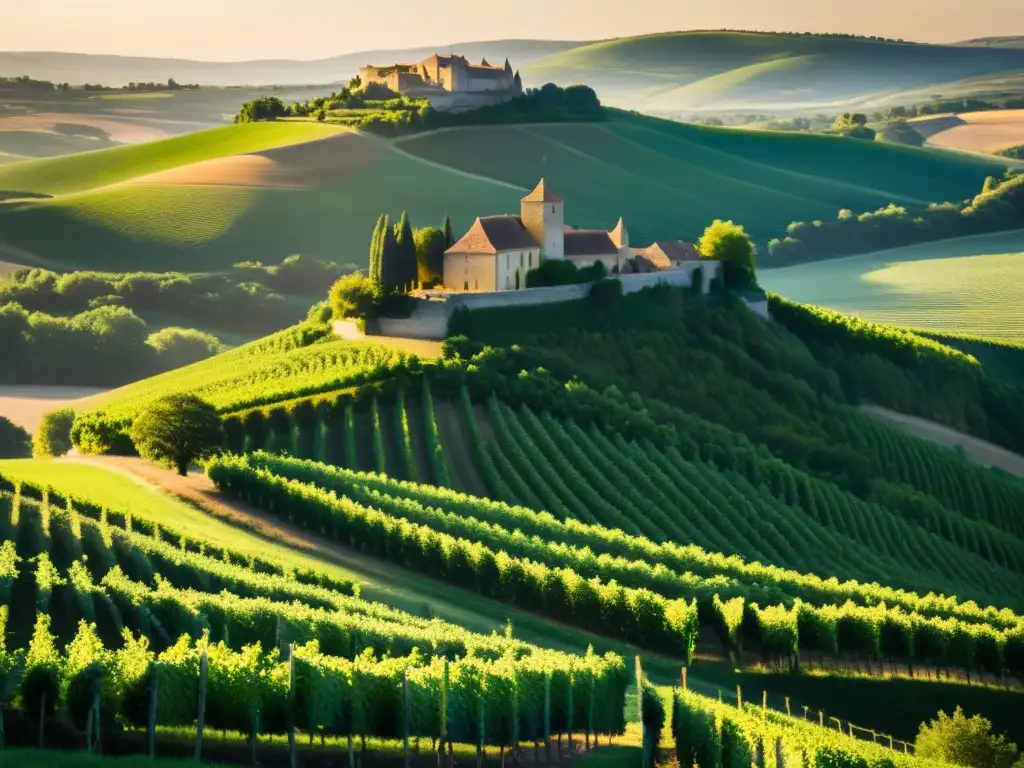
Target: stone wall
(430,318)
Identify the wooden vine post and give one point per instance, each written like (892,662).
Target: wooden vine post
(405,715)
(684,678)
(547,714)
(764,703)
(291,706)
(443,725)
(203,672)
(151,719)
(739,698)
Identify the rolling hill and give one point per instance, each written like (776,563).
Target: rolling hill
(969,285)
(265,191)
(762,71)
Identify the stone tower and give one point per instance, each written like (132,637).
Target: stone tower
(544,218)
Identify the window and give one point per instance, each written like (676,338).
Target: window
(476,285)
(531,258)
(552,209)
(506,260)
(465,286)
(522,259)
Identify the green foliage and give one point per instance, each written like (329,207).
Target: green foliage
(729,243)
(53,437)
(563,272)
(15,442)
(352,296)
(965,741)
(177,430)
(406,266)
(178,347)
(261,109)
(431,243)
(998,207)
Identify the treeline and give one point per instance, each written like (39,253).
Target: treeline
(396,115)
(106,346)
(999,206)
(249,299)
(25,83)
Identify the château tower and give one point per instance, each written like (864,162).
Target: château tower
(543,216)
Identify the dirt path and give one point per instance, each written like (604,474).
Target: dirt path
(25,405)
(979,450)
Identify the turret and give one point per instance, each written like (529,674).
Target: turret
(517,83)
(508,68)
(544,218)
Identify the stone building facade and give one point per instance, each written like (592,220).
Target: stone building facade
(446,74)
(497,251)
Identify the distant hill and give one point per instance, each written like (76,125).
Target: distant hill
(264,191)
(1013,41)
(78,68)
(753,70)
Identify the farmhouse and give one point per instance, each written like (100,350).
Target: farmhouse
(497,251)
(451,74)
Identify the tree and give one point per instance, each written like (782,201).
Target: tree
(963,740)
(352,296)
(177,430)
(53,438)
(730,244)
(390,267)
(376,251)
(854,126)
(263,108)
(15,442)
(177,347)
(449,239)
(406,271)
(430,248)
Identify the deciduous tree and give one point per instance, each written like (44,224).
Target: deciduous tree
(966,741)
(730,244)
(177,430)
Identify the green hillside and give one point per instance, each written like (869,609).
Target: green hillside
(267,190)
(969,285)
(735,70)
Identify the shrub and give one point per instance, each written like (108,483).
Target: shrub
(964,741)
(53,438)
(730,244)
(352,296)
(606,295)
(15,442)
(177,347)
(178,430)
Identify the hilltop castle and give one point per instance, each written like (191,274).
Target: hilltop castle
(451,74)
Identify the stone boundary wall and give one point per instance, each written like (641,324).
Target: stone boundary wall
(430,318)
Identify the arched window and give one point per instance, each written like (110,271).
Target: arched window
(465,286)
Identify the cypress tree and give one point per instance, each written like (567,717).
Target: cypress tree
(407,272)
(449,240)
(376,251)
(390,275)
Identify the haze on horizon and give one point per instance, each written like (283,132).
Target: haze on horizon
(234,30)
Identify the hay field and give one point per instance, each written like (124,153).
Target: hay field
(970,285)
(117,131)
(975,131)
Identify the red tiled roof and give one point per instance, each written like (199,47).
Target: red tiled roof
(494,234)
(589,242)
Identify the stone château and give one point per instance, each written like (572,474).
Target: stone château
(497,251)
(439,74)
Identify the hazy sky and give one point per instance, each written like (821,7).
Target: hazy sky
(226,30)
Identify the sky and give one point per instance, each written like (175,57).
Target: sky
(234,30)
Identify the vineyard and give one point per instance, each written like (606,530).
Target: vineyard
(87,594)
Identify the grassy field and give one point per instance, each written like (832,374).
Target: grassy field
(265,191)
(969,285)
(226,196)
(681,177)
(726,70)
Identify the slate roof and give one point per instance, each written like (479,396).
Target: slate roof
(494,234)
(542,195)
(589,242)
